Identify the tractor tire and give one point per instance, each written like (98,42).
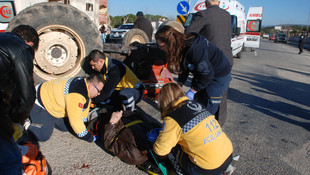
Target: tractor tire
(135,35)
(66,34)
(175,24)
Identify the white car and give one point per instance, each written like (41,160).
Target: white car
(118,34)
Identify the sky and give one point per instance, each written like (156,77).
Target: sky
(275,12)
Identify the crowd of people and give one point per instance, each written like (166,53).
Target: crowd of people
(191,135)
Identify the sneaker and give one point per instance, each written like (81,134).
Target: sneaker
(26,124)
(230,169)
(149,167)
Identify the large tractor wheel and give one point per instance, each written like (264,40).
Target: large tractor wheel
(66,34)
(135,35)
(175,24)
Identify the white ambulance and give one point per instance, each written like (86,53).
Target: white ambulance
(237,12)
(253,29)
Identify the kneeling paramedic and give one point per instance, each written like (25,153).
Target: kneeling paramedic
(121,83)
(64,104)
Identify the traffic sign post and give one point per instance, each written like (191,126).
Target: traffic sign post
(183,7)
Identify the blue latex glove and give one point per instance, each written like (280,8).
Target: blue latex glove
(153,134)
(190,94)
(96,138)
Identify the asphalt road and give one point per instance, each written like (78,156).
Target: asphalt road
(268,120)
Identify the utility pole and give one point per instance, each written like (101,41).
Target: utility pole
(308,21)
(189,3)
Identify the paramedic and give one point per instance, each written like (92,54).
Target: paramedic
(122,86)
(202,146)
(63,101)
(17,91)
(215,24)
(194,53)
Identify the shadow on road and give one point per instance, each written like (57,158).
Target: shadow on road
(272,50)
(290,70)
(291,43)
(290,90)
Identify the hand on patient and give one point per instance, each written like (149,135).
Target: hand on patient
(116,116)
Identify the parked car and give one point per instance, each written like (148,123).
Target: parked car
(118,34)
(265,36)
(281,37)
(272,36)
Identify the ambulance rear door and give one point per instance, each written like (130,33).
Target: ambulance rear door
(253,27)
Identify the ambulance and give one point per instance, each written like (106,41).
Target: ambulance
(7,13)
(253,29)
(237,12)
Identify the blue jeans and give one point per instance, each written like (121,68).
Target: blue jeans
(43,123)
(10,158)
(212,95)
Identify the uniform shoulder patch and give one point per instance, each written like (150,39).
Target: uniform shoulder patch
(81,105)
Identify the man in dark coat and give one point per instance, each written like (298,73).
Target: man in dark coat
(143,24)
(302,41)
(17,91)
(215,24)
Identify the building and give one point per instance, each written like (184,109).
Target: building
(103,12)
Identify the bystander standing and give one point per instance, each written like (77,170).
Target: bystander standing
(215,24)
(302,41)
(143,24)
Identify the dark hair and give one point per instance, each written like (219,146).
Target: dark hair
(29,34)
(102,29)
(95,55)
(175,42)
(95,79)
(139,13)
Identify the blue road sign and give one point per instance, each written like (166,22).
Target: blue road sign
(183,7)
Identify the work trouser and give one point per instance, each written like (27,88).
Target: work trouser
(221,113)
(128,97)
(43,123)
(183,165)
(301,45)
(212,95)
(190,168)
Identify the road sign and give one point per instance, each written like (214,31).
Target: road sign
(183,7)
(181,19)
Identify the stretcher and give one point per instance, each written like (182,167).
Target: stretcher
(148,62)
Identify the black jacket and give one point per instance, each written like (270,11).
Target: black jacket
(114,73)
(215,24)
(145,25)
(303,37)
(205,61)
(16,69)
